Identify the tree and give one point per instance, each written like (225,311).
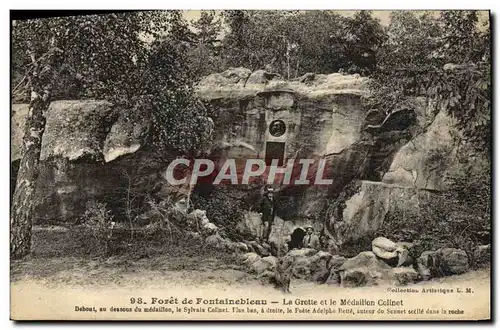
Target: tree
(117,57)
(365,35)
(100,51)
(39,78)
(207,51)
(180,122)
(292,42)
(319,40)
(444,59)
(235,47)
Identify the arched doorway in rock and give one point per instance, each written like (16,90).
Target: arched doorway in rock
(296,239)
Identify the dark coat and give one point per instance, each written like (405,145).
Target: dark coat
(268,209)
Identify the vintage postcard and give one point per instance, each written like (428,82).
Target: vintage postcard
(251,165)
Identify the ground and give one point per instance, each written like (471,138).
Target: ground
(57,257)
(173,270)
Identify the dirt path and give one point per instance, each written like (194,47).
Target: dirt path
(63,283)
(161,271)
(49,286)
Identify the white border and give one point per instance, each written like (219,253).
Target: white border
(190,4)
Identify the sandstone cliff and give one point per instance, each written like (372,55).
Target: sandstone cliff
(377,159)
(380,160)
(80,143)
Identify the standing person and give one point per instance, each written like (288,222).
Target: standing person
(311,240)
(268,209)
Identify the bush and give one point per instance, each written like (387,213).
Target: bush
(459,217)
(166,222)
(223,210)
(97,228)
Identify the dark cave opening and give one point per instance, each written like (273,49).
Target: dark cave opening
(296,239)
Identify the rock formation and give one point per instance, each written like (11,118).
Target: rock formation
(379,160)
(324,118)
(80,139)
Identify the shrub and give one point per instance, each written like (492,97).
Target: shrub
(165,221)
(97,228)
(458,217)
(223,210)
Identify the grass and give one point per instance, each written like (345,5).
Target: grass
(57,256)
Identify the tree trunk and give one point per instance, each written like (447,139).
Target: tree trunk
(24,196)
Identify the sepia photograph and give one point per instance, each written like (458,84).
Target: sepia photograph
(243,165)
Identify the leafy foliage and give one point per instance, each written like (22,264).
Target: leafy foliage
(445,59)
(459,217)
(223,210)
(206,53)
(293,43)
(98,227)
(127,58)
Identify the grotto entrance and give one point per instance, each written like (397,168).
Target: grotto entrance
(296,239)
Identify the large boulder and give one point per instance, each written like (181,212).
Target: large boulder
(363,208)
(308,264)
(428,265)
(264,264)
(405,275)
(209,228)
(416,164)
(293,255)
(442,262)
(334,265)
(281,230)
(259,248)
(250,258)
(454,261)
(404,257)
(482,255)
(365,269)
